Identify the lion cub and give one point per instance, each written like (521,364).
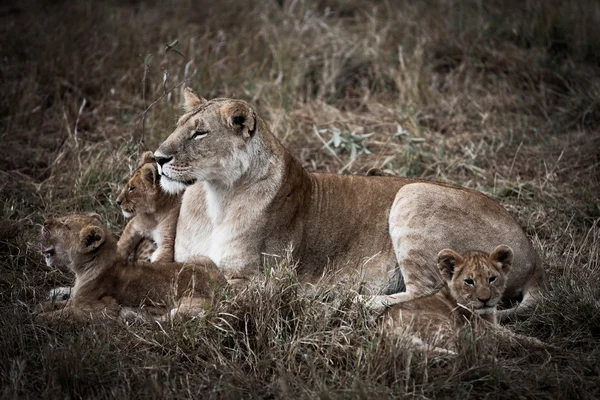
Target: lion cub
(154,215)
(105,282)
(474,283)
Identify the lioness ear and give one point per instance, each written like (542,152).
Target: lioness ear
(240,116)
(146,157)
(503,255)
(91,237)
(191,100)
(447,260)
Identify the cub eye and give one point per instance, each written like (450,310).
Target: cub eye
(469,282)
(131,188)
(492,279)
(198,134)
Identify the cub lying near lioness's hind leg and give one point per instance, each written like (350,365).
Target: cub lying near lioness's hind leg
(154,214)
(105,282)
(474,284)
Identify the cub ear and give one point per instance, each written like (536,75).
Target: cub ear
(447,260)
(191,101)
(146,157)
(149,173)
(503,255)
(91,238)
(240,116)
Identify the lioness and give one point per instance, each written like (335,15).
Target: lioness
(474,283)
(246,196)
(105,282)
(154,213)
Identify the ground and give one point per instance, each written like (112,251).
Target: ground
(501,96)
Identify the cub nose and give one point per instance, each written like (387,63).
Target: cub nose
(484,300)
(119,201)
(163,160)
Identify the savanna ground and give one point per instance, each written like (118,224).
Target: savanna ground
(501,96)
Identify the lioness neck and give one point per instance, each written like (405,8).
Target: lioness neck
(260,174)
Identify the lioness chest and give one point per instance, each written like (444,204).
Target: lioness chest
(340,222)
(215,228)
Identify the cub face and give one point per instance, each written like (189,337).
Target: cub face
(210,143)
(65,240)
(476,279)
(141,192)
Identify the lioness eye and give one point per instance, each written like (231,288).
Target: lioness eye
(131,188)
(492,279)
(469,282)
(199,134)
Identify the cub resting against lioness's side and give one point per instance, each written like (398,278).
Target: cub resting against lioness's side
(246,197)
(153,213)
(474,283)
(105,283)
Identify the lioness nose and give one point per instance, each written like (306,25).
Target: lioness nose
(163,160)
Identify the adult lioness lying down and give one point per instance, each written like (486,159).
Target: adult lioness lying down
(247,196)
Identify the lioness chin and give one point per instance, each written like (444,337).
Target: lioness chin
(247,196)
(105,283)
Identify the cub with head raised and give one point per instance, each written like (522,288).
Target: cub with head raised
(474,284)
(153,214)
(105,282)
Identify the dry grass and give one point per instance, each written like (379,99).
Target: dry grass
(501,96)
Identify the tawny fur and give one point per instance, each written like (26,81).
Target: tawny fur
(105,282)
(246,197)
(154,214)
(474,283)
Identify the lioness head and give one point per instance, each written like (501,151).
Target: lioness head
(142,190)
(476,280)
(210,143)
(66,241)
